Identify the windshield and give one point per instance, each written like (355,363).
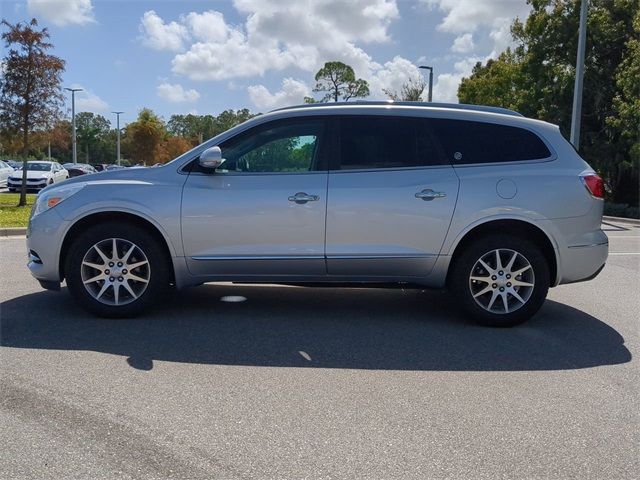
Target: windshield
(39,166)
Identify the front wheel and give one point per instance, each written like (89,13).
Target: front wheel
(116,270)
(501,280)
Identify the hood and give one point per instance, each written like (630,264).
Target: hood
(128,175)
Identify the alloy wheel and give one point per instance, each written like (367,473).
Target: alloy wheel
(502,281)
(115,271)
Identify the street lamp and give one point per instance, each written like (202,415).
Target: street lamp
(577,89)
(73,122)
(118,129)
(430,80)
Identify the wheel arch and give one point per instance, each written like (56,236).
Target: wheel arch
(514,226)
(96,218)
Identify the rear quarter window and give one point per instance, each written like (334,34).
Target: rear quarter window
(466,142)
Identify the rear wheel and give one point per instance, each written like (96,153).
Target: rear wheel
(116,270)
(501,280)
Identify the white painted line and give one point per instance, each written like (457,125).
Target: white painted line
(305,355)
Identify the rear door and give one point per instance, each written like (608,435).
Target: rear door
(391,198)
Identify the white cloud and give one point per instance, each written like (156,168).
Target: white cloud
(463,43)
(392,76)
(207,26)
(62,12)
(446,86)
(176,93)
(463,18)
(291,93)
(159,35)
(87,101)
(468,15)
(277,34)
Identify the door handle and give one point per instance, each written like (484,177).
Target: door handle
(428,195)
(302,197)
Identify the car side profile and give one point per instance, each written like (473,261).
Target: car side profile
(40,174)
(77,169)
(495,207)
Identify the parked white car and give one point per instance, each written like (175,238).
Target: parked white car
(5,171)
(39,175)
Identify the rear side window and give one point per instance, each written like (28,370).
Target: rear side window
(477,142)
(386,142)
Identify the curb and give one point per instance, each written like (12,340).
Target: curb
(13,232)
(632,221)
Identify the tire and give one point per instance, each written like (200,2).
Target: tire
(50,182)
(481,298)
(87,271)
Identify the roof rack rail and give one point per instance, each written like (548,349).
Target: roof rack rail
(457,106)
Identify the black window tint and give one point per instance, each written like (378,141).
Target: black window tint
(477,142)
(385,142)
(291,146)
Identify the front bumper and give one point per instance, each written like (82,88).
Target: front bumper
(31,184)
(44,238)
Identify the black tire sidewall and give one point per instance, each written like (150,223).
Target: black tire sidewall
(156,256)
(463,264)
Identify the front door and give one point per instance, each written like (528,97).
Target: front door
(263,211)
(391,199)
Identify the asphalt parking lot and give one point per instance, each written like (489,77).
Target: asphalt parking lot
(321,383)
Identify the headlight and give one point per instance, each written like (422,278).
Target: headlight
(51,198)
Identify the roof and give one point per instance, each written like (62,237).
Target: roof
(457,106)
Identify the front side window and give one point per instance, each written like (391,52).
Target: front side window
(369,142)
(280,147)
(466,142)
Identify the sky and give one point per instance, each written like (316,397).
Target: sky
(202,57)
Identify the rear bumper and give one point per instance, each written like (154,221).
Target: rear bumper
(583,262)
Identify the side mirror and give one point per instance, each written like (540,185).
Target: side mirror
(211,158)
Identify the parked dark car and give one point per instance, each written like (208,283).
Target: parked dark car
(77,169)
(114,167)
(99,167)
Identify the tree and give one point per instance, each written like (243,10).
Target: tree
(338,80)
(498,83)
(142,137)
(30,93)
(411,91)
(93,135)
(626,113)
(171,148)
(537,79)
(197,128)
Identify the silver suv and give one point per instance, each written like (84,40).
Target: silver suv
(494,206)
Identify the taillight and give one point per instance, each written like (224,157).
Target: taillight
(594,184)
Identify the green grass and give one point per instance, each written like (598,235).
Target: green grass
(12,216)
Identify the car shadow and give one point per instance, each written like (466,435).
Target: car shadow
(280,326)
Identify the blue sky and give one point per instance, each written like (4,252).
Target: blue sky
(207,56)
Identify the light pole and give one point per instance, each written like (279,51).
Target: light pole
(73,122)
(577,89)
(118,129)
(430,81)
